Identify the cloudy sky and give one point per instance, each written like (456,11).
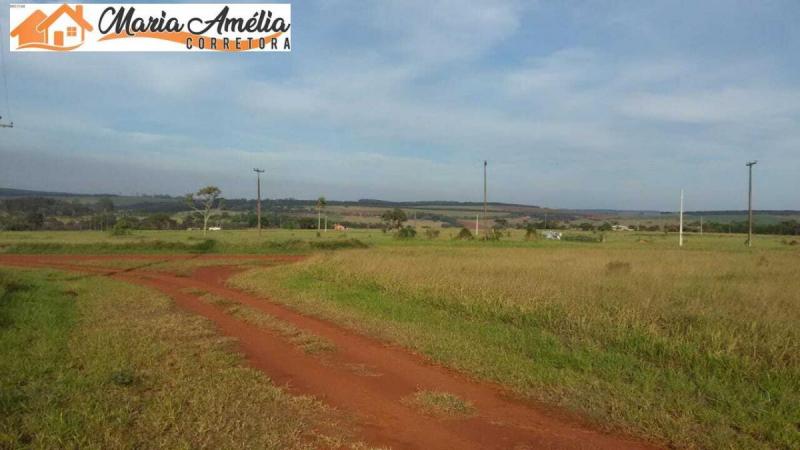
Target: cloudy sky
(575,104)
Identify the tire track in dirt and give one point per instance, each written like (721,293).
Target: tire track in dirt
(364,377)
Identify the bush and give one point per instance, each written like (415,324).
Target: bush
(122,228)
(406,233)
(531,234)
(465,234)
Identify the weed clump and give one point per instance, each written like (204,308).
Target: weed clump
(122,377)
(441,404)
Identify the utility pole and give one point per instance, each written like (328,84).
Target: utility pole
(477,219)
(258,203)
(750,165)
(701,225)
(680,232)
(485,218)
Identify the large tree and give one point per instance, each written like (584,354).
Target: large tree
(206,201)
(394,218)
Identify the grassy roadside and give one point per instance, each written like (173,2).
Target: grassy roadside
(692,349)
(157,246)
(95,363)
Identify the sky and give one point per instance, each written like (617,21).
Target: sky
(575,104)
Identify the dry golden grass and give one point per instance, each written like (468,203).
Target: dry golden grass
(308,342)
(749,304)
(440,404)
(697,348)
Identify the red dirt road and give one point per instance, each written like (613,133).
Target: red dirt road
(362,376)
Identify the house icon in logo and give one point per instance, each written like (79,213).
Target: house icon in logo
(65,29)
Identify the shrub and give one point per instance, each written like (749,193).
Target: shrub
(122,228)
(531,234)
(464,234)
(406,233)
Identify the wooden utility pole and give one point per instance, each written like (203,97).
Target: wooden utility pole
(485,218)
(258,202)
(680,229)
(750,165)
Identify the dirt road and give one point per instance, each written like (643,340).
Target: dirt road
(362,376)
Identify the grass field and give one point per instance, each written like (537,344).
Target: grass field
(691,347)
(308,241)
(88,362)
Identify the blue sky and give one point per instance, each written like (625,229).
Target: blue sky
(575,104)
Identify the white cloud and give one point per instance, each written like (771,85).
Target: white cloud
(720,105)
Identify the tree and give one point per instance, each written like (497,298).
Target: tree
(203,202)
(321,203)
(394,218)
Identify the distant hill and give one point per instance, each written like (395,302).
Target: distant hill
(8,192)
(167,203)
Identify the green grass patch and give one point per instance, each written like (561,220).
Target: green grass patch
(145,246)
(95,363)
(141,244)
